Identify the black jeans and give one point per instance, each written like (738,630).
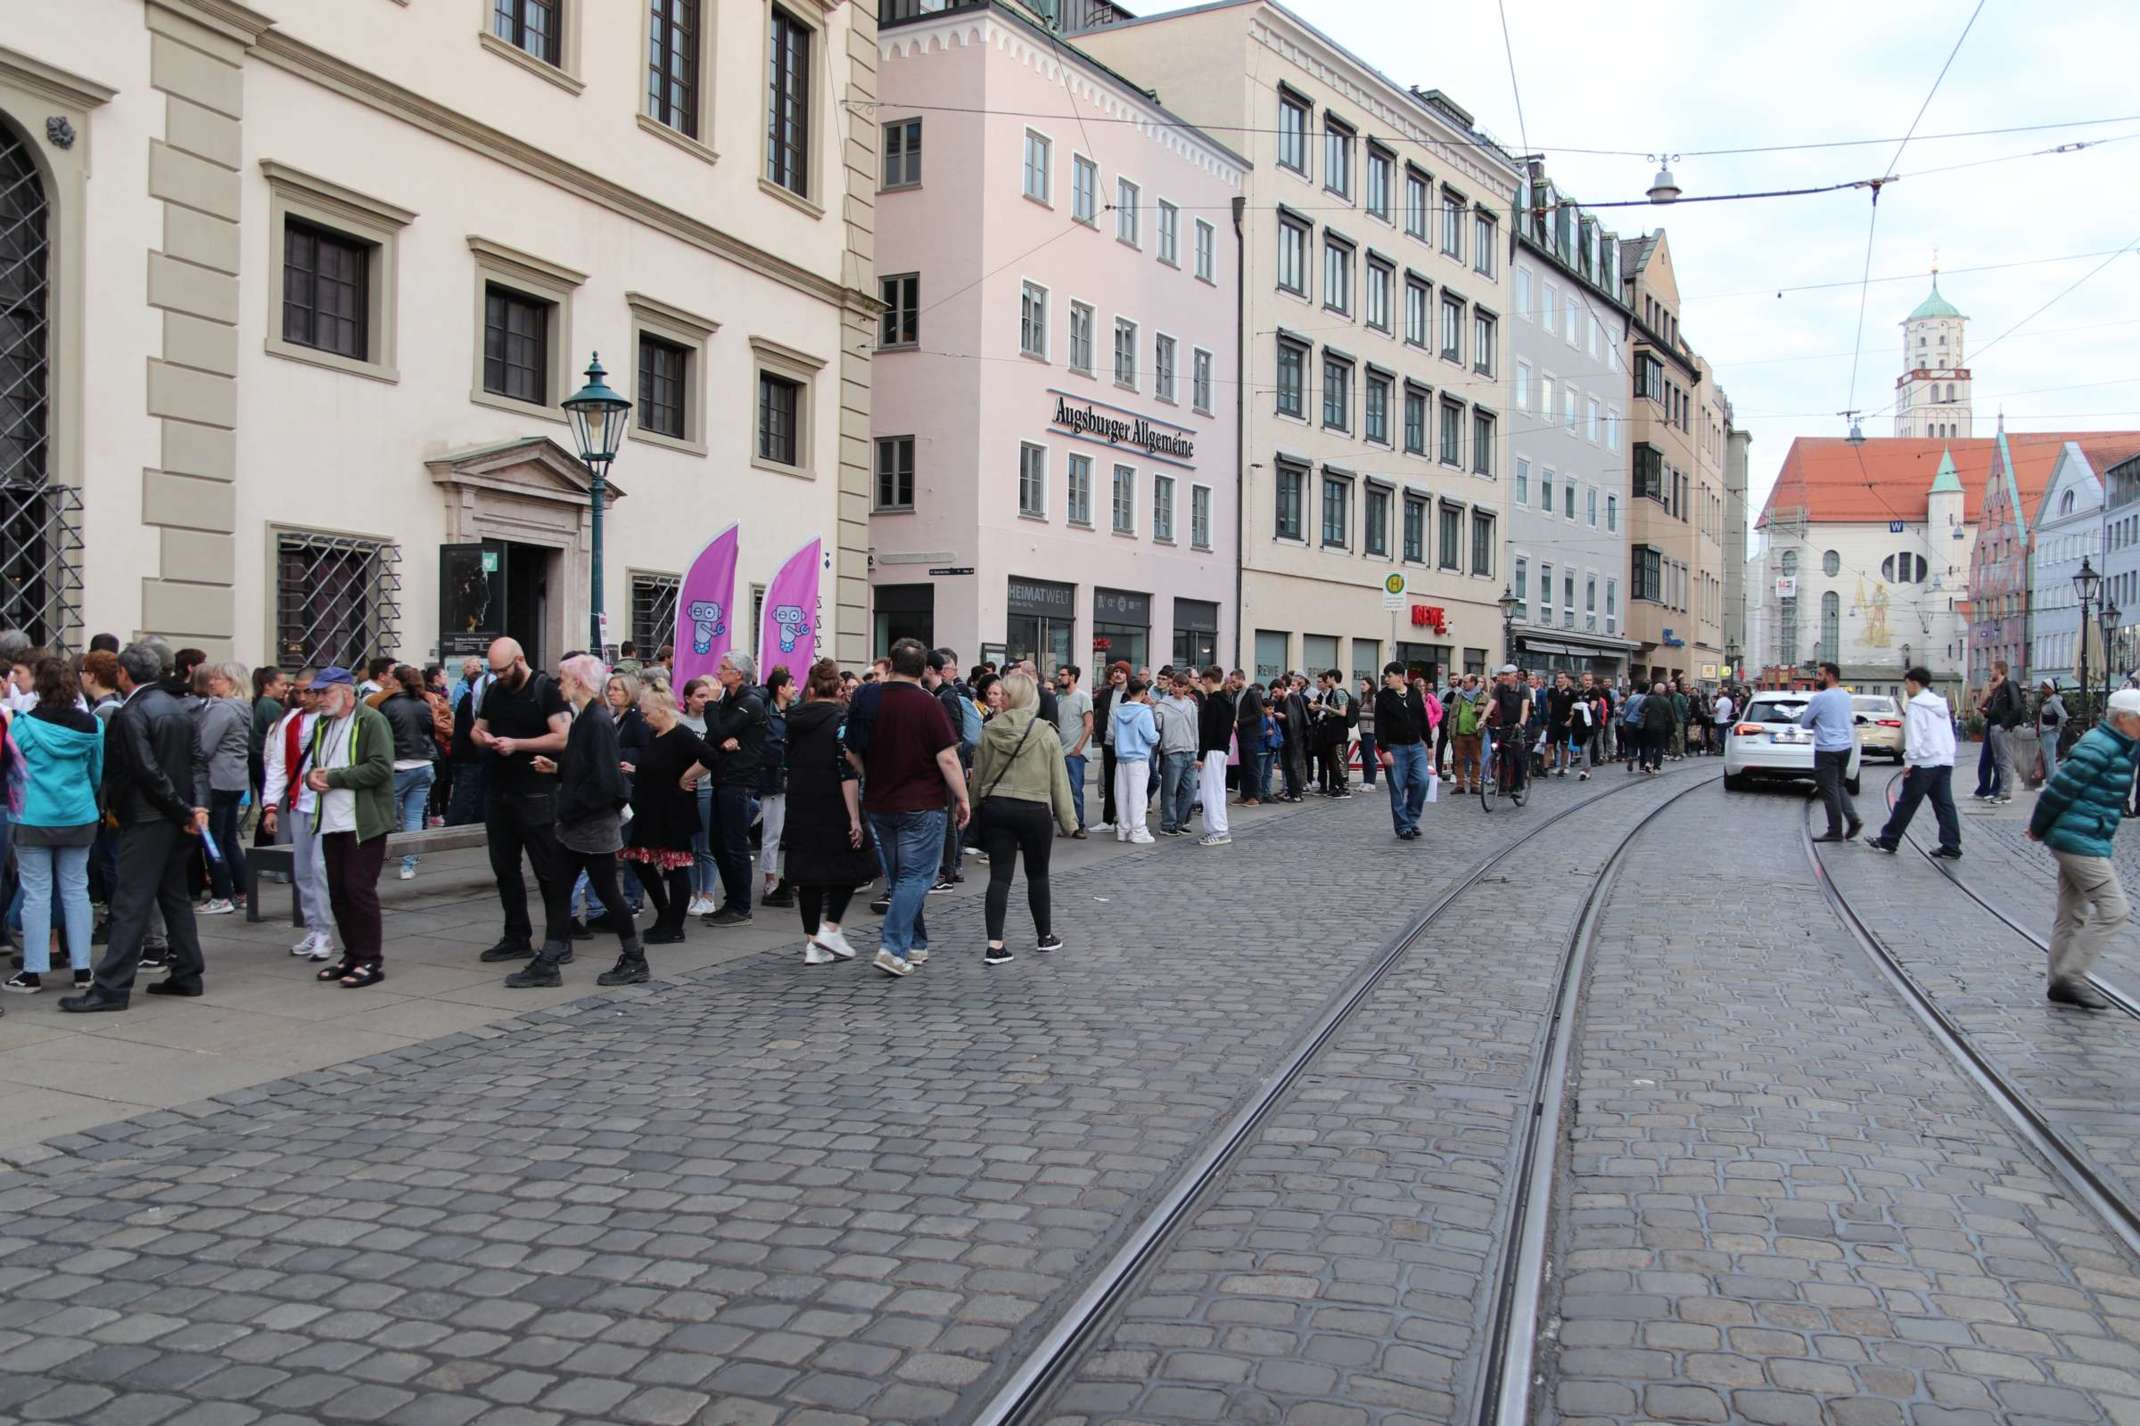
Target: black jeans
(527,821)
(670,891)
(471,784)
(1107,784)
(1010,825)
(226,877)
(820,904)
(1828,771)
(731,845)
(601,869)
(1920,783)
(153,864)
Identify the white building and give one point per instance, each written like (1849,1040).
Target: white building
(301,327)
(2069,528)
(1932,394)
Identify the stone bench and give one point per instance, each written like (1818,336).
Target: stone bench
(283,858)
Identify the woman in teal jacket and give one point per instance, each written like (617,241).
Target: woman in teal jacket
(63,761)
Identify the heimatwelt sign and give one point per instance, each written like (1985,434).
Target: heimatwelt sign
(1117,427)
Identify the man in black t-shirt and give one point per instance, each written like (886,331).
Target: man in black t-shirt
(523,714)
(1510,709)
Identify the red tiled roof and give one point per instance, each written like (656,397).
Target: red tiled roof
(1888,477)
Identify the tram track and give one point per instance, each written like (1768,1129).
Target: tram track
(2103,1194)
(1522,1262)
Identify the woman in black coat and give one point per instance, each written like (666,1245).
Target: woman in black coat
(591,795)
(826,842)
(665,814)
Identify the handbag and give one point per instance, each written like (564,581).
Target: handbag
(973,822)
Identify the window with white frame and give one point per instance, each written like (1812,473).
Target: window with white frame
(1032,480)
(1590,496)
(899,325)
(1612,428)
(1568,495)
(1169,234)
(1542,611)
(1612,606)
(1125,352)
(1084,190)
(1206,252)
(895,473)
(1379,276)
(1200,380)
(1337,157)
(902,153)
(1523,386)
(1522,293)
(1381,170)
(1200,517)
(1590,412)
(1590,602)
(1163,508)
(1521,495)
(1418,304)
(1292,255)
(1126,198)
(1039,154)
(1337,274)
(1545,489)
(1163,365)
(1125,501)
(1522,584)
(1033,320)
(1077,495)
(1081,337)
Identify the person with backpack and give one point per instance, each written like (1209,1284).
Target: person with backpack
(54,756)
(1631,728)
(408,712)
(471,768)
(1022,787)
(2076,817)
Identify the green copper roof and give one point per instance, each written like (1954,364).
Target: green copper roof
(1947,481)
(1934,305)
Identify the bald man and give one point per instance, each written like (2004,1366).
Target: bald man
(523,714)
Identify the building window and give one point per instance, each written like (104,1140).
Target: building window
(1452,452)
(1293,133)
(1337,394)
(895,473)
(1568,492)
(1379,276)
(1831,620)
(1482,345)
(1337,512)
(1522,293)
(1292,480)
(1417,304)
(1612,606)
(1081,337)
(1292,378)
(1415,203)
(1483,243)
(1649,473)
(1337,275)
(654,609)
(516,345)
(1125,352)
(672,65)
(1126,196)
(1453,327)
(1545,490)
(1590,415)
(1415,421)
(1039,168)
(532,26)
(1649,376)
(326,301)
(1522,587)
(1542,612)
(1206,251)
(1523,386)
(1567,600)
(1163,508)
(1482,543)
(1293,255)
(1169,234)
(1612,513)
(1451,536)
(337,599)
(1163,367)
(899,324)
(1646,574)
(1085,190)
(1337,157)
(1032,480)
(902,153)
(1033,320)
(664,388)
(1375,531)
(1200,516)
(1831,563)
(1200,380)
(1380,168)
(787,138)
(1482,443)
(1591,497)
(1375,412)
(779,419)
(1415,528)
(1078,499)
(1521,496)
(1452,225)
(1125,502)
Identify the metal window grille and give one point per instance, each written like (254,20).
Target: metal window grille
(40,521)
(337,599)
(41,562)
(654,611)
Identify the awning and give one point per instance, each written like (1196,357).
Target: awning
(1540,646)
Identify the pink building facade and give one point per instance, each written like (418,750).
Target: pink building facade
(1054,426)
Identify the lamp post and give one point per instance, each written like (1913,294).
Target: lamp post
(599,416)
(2085,585)
(1508,604)
(1731,661)
(2108,618)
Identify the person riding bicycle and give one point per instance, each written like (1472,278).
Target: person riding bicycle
(1508,710)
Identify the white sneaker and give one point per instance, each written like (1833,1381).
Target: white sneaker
(1103,827)
(408,873)
(918,955)
(1215,839)
(891,964)
(1141,839)
(304,946)
(323,948)
(816,955)
(217,906)
(835,940)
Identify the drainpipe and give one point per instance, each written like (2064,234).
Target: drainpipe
(1240,426)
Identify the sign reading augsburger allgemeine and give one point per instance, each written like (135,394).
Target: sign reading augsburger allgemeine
(1120,428)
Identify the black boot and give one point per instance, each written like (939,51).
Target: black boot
(630,968)
(541,973)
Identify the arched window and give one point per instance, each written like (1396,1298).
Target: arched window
(39,579)
(1831,564)
(1831,622)
(1790,563)
(2065,503)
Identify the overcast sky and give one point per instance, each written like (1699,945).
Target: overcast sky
(1690,76)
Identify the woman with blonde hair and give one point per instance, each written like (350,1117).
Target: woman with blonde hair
(1021,784)
(665,814)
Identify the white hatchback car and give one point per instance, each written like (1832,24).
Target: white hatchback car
(1766,742)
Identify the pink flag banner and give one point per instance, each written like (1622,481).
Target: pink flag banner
(787,634)
(705,609)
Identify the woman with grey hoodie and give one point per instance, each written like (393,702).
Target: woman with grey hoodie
(1020,780)
(222,739)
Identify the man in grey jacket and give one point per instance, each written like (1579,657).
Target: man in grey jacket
(1176,715)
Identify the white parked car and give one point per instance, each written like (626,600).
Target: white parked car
(1766,742)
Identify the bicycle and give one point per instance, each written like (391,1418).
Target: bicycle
(1510,777)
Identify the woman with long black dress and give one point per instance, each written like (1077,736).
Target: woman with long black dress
(665,814)
(591,795)
(826,841)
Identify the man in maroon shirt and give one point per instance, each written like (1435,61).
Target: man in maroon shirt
(909,763)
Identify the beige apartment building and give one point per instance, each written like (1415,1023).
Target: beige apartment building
(1675,533)
(301,285)
(1375,254)
(1712,542)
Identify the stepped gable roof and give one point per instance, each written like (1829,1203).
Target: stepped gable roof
(1891,477)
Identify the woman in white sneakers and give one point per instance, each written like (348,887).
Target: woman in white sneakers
(825,839)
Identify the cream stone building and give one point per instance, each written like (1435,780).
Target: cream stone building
(293,291)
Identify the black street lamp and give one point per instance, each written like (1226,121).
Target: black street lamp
(2085,585)
(599,416)
(2108,619)
(1509,605)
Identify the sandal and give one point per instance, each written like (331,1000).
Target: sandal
(336,971)
(358,977)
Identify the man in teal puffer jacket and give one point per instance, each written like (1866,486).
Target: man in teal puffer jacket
(2076,816)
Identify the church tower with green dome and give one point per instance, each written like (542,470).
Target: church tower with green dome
(1932,394)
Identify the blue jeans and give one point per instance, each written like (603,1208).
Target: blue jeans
(1368,761)
(705,872)
(1075,763)
(1177,789)
(911,843)
(732,808)
(412,793)
(37,866)
(1408,784)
